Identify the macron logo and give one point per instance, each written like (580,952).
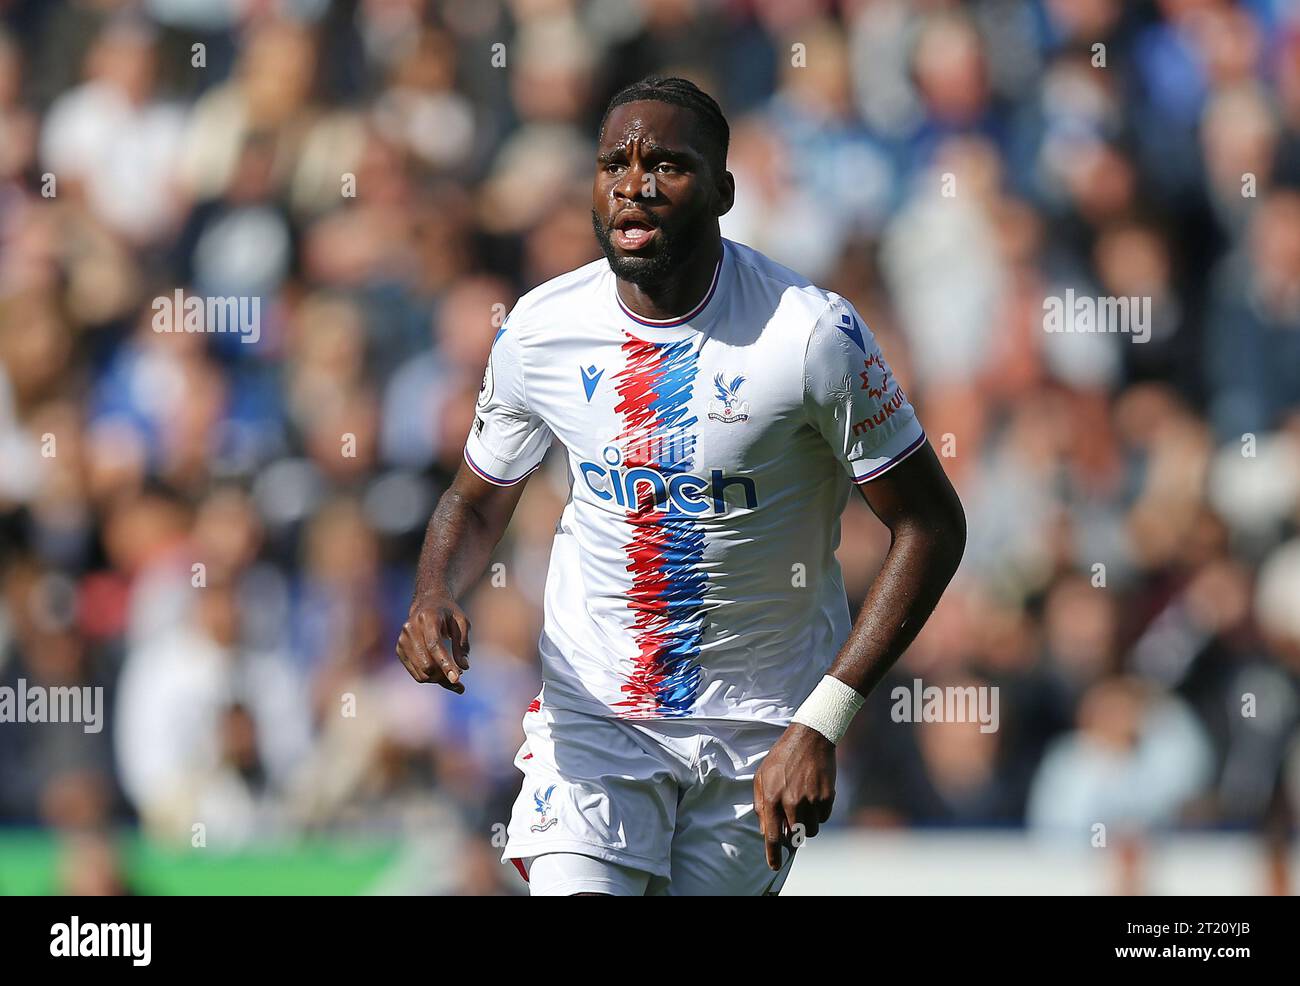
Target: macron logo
(851,328)
(590,377)
(75,940)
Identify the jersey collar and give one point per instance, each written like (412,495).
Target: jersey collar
(656,329)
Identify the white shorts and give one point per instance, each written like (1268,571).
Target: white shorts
(661,807)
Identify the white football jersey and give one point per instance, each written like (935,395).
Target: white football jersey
(693,572)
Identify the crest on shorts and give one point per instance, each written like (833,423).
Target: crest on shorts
(728,406)
(545,818)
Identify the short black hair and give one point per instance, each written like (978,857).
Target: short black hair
(680,92)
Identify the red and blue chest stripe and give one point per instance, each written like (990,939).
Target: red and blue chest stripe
(666,550)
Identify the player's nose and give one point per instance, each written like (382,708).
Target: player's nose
(631,183)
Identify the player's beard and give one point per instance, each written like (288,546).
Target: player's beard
(643,271)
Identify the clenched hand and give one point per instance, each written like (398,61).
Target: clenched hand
(429,626)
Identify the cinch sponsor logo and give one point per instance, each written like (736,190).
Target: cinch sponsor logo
(670,492)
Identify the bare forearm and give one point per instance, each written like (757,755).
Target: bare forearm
(917,569)
(464,529)
(457,546)
(794,788)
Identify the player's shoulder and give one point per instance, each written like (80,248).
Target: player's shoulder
(823,328)
(557,297)
(795,301)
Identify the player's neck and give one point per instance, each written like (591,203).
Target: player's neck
(681,291)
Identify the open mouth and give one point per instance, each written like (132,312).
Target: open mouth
(633,233)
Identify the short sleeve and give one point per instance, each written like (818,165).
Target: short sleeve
(507,440)
(853,398)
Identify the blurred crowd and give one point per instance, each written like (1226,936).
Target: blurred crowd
(222,533)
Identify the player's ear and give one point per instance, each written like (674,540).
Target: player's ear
(725,190)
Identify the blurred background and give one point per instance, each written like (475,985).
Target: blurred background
(386,177)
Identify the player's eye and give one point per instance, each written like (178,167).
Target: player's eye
(667,169)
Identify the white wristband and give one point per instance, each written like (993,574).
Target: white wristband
(830,708)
